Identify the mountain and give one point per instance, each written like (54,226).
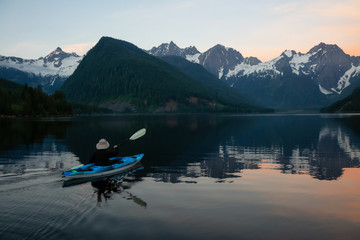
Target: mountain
(217,60)
(49,72)
(321,76)
(295,80)
(292,80)
(199,73)
(171,49)
(120,76)
(346,105)
(327,65)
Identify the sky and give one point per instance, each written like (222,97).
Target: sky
(261,28)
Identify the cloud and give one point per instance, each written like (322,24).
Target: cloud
(79,48)
(184,5)
(286,8)
(340,9)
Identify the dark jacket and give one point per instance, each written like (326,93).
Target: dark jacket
(101,157)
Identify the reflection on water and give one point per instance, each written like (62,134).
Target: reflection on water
(324,158)
(120,184)
(222,147)
(31,147)
(192,145)
(237,177)
(105,188)
(27,132)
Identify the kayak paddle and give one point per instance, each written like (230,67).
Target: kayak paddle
(135,136)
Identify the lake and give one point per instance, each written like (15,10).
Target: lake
(202,177)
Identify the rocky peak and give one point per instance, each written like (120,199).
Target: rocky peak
(331,58)
(217,47)
(288,53)
(192,50)
(58,55)
(252,61)
(219,59)
(171,49)
(324,48)
(224,53)
(166,49)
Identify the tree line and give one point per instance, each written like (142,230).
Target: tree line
(33,102)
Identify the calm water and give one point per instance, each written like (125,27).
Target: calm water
(202,177)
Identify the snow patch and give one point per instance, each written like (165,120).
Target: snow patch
(268,68)
(324,91)
(344,81)
(299,61)
(288,53)
(221,72)
(42,68)
(193,58)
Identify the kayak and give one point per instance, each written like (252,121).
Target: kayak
(113,178)
(92,171)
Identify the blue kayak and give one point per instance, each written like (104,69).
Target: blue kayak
(92,171)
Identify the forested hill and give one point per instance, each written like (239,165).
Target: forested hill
(118,75)
(347,105)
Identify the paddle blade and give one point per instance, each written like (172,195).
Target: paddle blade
(138,134)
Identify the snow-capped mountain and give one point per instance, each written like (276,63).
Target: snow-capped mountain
(321,75)
(217,60)
(49,72)
(171,49)
(329,67)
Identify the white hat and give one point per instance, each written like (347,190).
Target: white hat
(102,144)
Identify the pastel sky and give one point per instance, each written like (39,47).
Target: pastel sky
(262,28)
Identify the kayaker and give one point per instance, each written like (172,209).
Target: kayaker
(103,153)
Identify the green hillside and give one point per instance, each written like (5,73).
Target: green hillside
(348,104)
(118,75)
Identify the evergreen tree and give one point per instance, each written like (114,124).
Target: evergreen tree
(32,102)
(5,102)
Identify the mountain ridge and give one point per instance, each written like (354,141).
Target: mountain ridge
(49,72)
(325,67)
(115,73)
(324,74)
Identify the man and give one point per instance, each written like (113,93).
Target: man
(102,154)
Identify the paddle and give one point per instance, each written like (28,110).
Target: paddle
(135,136)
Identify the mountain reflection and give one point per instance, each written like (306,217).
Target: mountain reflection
(34,146)
(311,145)
(15,132)
(181,148)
